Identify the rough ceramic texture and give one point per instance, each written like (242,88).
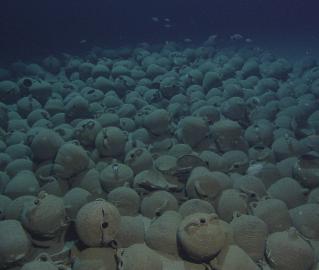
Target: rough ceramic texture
(45,216)
(289,191)
(203,184)
(193,206)
(274,213)
(305,218)
(138,257)
(23,183)
(250,234)
(73,160)
(157,203)
(116,175)
(231,201)
(131,231)
(97,223)
(202,236)
(95,259)
(161,235)
(126,200)
(288,250)
(14,242)
(158,129)
(74,199)
(110,141)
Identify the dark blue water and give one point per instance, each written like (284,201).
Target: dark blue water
(34,28)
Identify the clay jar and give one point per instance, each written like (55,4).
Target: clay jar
(138,257)
(4,205)
(157,122)
(72,159)
(126,200)
(273,212)
(156,203)
(166,164)
(289,191)
(179,150)
(234,258)
(89,180)
(41,90)
(3,116)
(54,106)
(14,242)
(250,233)
(23,183)
(169,86)
(187,126)
(211,80)
(186,163)
(86,131)
(13,211)
(236,161)
(76,107)
(306,219)
(231,201)
(214,161)
(149,180)
(65,131)
(35,116)
(46,144)
(24,85)
(228,136)
(202,236)
(97,223)
(131,231)
(286,146)
(287,250)
(210,113)
(259,133)
(259,153)
(45,216)
(313,196)
(161,235)
(306,169)
(193,206)
(18,165)
(234,108)
(26,105)
(43,261)
(116,175)
(266,171)
(203,184)
(139,159)
(99,258)
(108,119)
(74,199)
(9,92)
(110,142)
(250,185)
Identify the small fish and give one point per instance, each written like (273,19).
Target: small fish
(155,19)
(248,40)
(213,37)
(211,40)
(83,41)
(236,37)
(167,19)
(187,40)
(167,25)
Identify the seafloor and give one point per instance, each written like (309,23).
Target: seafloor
(164,156)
